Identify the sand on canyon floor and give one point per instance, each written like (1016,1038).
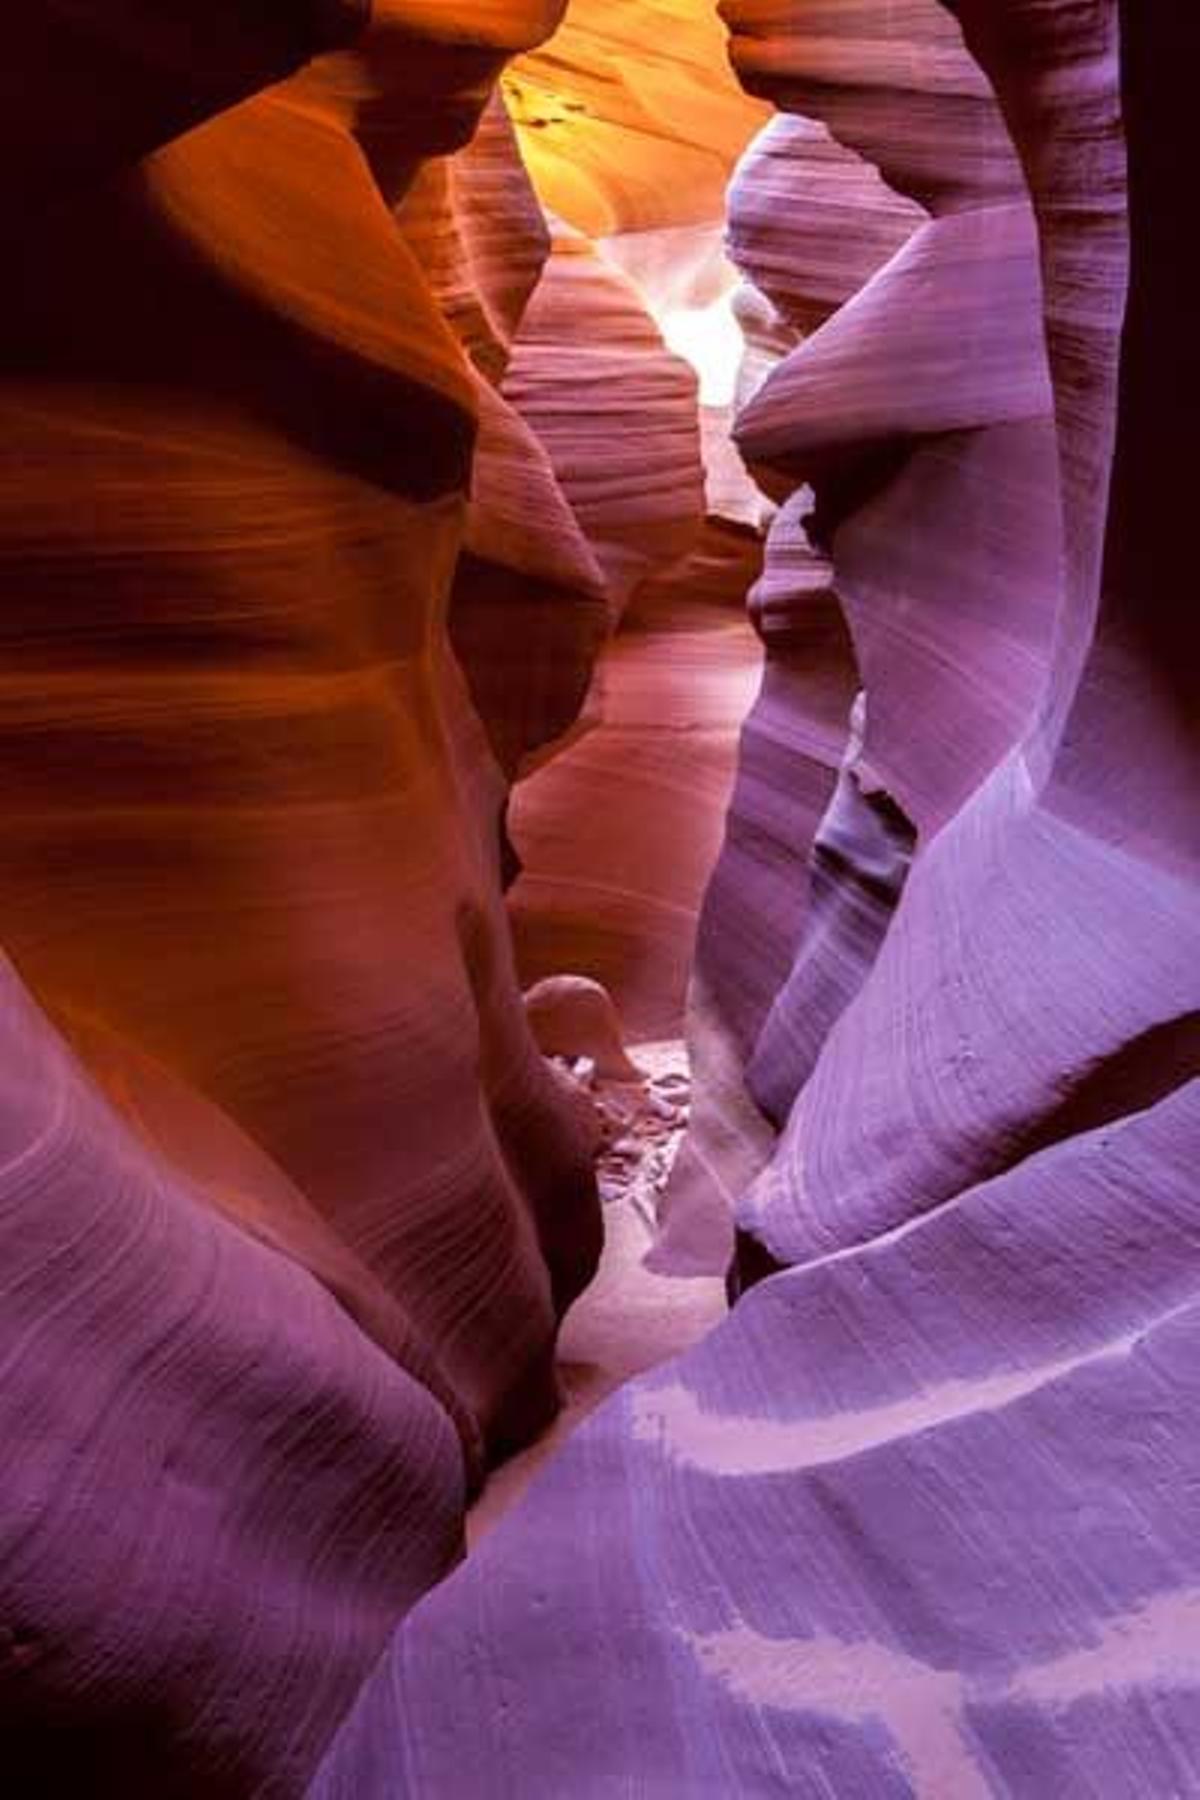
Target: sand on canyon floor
(628,1319)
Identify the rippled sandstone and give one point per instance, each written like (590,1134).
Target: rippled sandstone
(289,1226)
(326,475)
(918,1518)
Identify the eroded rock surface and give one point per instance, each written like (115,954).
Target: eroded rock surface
(920,1517)
(287,1233)
(328,465)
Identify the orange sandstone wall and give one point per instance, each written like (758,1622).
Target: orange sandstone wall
(249,875)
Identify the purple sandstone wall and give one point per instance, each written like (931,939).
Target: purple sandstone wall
(921,1518)
(289,1204)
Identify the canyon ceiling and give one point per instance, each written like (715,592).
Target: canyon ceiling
(496,489)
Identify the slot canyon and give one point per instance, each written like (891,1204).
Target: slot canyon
(600,896)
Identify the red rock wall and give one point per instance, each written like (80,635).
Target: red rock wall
(920,1517)
(629,121)
(289,1207)
(528,609)
(302,1199)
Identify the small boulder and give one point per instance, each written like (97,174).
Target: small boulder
(573,1016)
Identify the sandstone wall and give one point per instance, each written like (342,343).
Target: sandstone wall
(290,1205)
(919,1518)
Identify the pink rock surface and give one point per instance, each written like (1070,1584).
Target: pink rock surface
(619,833)
(630,117)
(200,1438)
(616,413)
(920,409)
(291,1205)
(287,1238)
(920,1517)
(528,609)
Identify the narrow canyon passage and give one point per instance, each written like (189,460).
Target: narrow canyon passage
(618,837)
(850,1543)
(599,1054)
(617,833)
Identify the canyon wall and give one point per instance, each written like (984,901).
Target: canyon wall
(919,1518)
(528,609)
(630,121)
(918,406)
(331,464)
(290,1205)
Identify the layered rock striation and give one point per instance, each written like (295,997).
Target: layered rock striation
(529,607)
(290,1203)
(918,407)
(329,465)
(919,1518)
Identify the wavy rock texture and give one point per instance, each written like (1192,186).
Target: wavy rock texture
(249,872)
(630,121)
(919,406)
(529,606)
(630,118)
(616,413)
(588,477)
(920,1517)
(619,833)
(199,1440)
(757,902)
